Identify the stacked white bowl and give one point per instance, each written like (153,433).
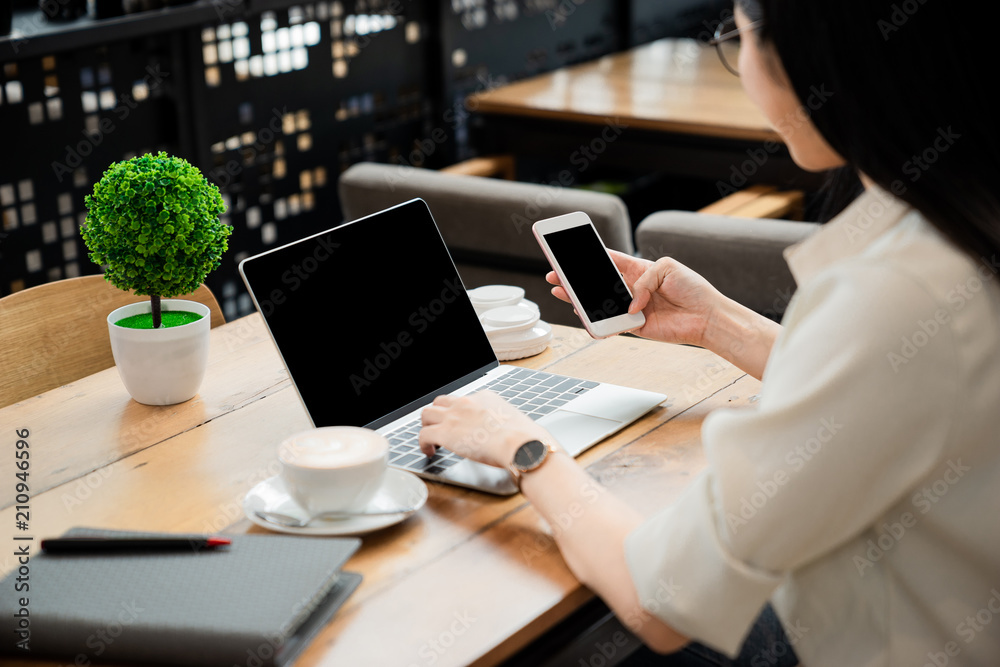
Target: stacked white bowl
(511,322)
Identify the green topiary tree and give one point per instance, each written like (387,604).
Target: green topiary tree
(154,221)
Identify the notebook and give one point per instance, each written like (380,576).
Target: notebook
(372,321)
(258,601)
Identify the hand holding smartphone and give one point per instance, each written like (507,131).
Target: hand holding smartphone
(588,274)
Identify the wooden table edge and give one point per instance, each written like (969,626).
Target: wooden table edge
(489,108)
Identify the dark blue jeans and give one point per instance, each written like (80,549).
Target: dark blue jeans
(765,646)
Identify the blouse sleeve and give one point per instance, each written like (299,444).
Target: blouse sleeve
(846,424)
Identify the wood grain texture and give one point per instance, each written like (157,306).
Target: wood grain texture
(730,203)
(503,166)
(671,85)
(776,205)
(58,332)
(188,467)
(760,201)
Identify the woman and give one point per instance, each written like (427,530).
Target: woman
(877,416)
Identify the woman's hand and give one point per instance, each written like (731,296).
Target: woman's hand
(482,427)
(677,302)
(682,307)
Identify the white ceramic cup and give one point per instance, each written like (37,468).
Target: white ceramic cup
(334,468)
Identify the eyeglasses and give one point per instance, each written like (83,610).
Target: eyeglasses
(727,41)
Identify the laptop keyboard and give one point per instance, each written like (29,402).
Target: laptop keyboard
(535,393)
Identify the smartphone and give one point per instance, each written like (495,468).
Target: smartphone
(595,287)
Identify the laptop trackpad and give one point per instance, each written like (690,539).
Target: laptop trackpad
(574,431)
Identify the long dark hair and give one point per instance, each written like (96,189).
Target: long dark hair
(909,101)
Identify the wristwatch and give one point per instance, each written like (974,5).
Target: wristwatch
(528,457)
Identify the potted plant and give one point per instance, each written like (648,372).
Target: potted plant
(153,223)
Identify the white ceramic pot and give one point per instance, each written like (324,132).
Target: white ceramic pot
(161,366)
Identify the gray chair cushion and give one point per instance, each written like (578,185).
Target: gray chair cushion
(483,215)
(486,222)
(741,257)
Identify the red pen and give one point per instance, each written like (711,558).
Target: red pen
(85,545)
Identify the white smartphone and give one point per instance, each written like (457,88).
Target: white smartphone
(595,287)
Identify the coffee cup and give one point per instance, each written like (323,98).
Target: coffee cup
(333,468)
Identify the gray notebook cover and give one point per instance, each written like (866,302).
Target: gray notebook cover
(257,602)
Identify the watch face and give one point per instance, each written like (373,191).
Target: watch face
(529,455)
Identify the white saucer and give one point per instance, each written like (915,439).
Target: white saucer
(399,489)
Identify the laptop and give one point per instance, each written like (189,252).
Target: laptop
(372,322)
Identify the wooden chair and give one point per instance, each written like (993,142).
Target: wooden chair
(760,201)
(502,166)
(56,333)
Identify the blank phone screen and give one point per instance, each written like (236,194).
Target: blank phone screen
(590,272)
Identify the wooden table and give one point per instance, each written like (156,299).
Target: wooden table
(670,85)
(667,105)
(100,459)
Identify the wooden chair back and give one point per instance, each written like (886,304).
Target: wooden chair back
(53,334)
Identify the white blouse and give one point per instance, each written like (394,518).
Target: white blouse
(861,493)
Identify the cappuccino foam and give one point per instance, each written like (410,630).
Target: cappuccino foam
(333,447)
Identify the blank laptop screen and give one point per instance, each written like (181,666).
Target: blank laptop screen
(369,316)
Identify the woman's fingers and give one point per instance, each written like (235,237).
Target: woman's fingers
(423,440)
(649,283)
(643,289)
(639,300)
(560,293)
(429,416)
(629,266)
